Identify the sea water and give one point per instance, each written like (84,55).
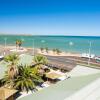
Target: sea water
(74,44)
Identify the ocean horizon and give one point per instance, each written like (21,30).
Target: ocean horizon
(72,44)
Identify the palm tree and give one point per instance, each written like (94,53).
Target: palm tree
(58,51)
(26,79)
(8,81)
(54,50)
(41,49)
(12,59)
(46,49)
(40,59)
(18,43)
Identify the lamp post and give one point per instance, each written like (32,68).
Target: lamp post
(33,47)
(90,44)
(5,39)
(22,40)
(43,42)
(71,44)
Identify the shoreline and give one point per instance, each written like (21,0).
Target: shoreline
(64,43)
(50,52)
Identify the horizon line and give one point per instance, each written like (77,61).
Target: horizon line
(49,35)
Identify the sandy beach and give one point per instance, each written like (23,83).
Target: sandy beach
(24,49)
(51,53)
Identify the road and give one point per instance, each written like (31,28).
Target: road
(65,59)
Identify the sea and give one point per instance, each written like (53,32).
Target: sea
(72,44)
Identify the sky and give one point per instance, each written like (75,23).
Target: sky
(50,17)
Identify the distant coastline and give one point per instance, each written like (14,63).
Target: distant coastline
(15,34)
(24,34)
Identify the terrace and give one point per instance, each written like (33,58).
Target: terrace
(63,89)
(25,60)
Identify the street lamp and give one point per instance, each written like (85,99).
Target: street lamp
(71,44)
(90,44)
(5,39)
(33,47)
(22,39)
(43,43)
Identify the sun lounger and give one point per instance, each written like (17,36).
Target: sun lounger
(62,78)
(1,57)
(45,85)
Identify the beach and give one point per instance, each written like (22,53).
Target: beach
(51,53)
(70,44)
(37,50)
(71,47)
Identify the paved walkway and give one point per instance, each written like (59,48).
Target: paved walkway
(82,70)
(90,92)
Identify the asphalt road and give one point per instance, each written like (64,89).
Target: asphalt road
(60,59)
(72,60)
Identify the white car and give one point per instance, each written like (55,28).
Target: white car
(86,55)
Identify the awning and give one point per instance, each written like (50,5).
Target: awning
(6,93)
(53,75)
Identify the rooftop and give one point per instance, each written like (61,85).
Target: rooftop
(63,89)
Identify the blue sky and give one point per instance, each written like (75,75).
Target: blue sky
(50,17)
